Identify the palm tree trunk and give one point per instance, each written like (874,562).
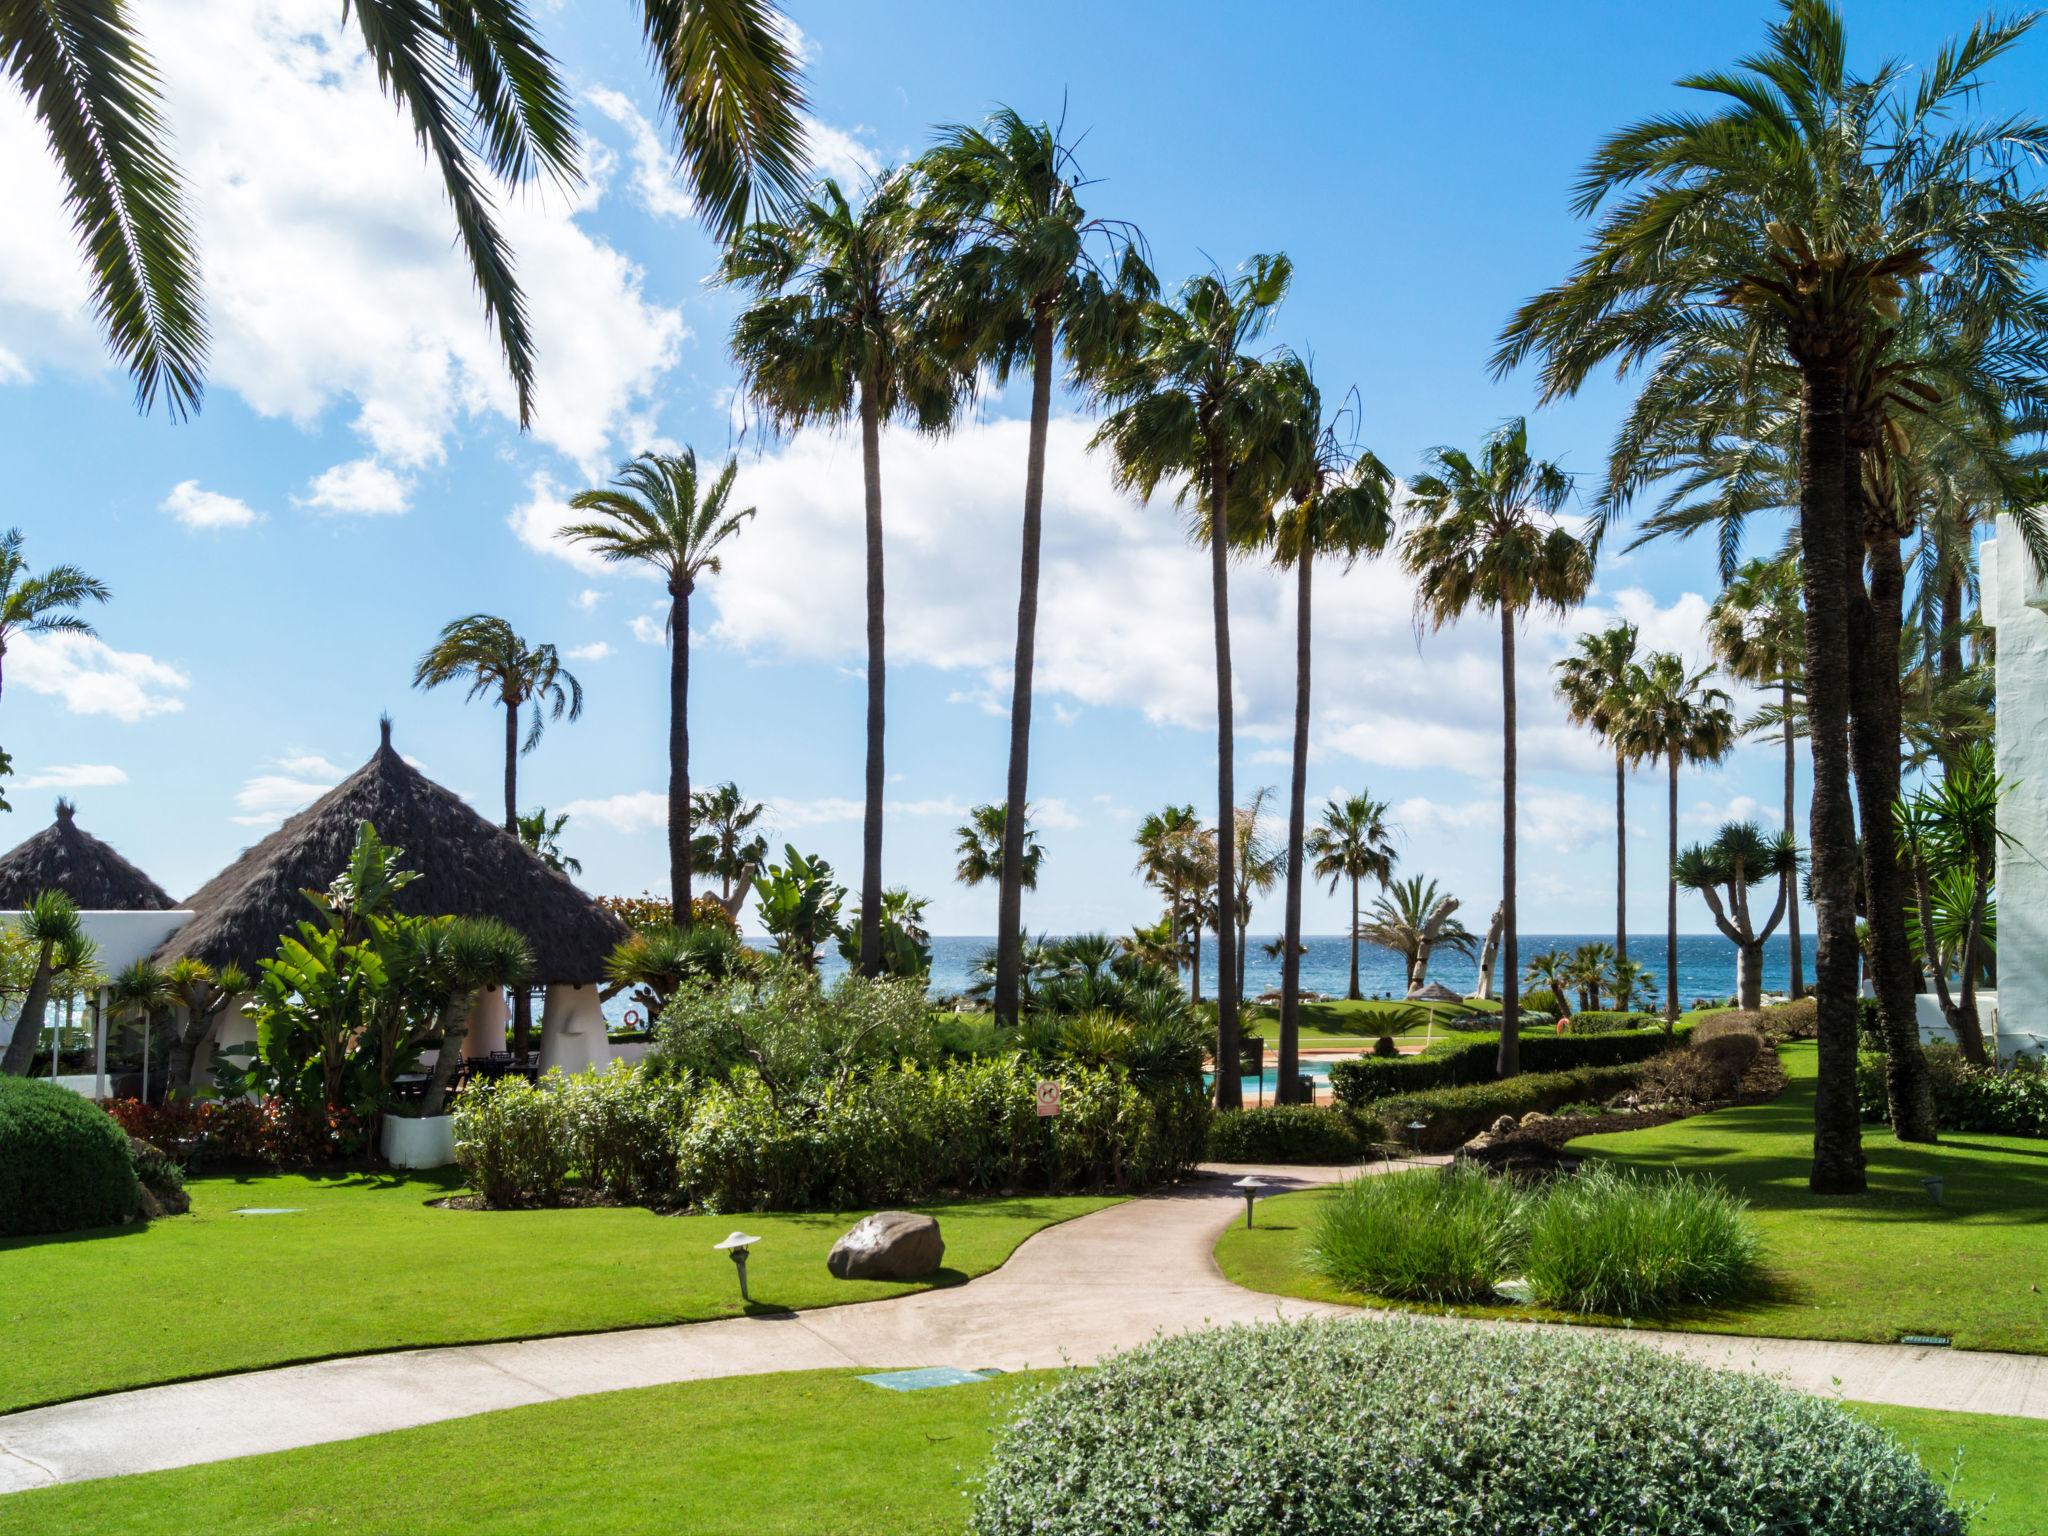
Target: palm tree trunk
(1010,891)
(1229,1094)
(1951,627)
(679,753)
(1791,810)
(1195,969)
(1356,995)
(871,824)
(1671,900)
(1824,538)
(1286,1089)
(512,767)
(1875,622)
(1620,858)
(448,1055)
(28,1024)
(1510,1059)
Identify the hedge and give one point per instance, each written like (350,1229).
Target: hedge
(1286,1133)
(2006,1100)
(1453,1116)
(1366,1080)
(1599,1021)
(64,1164)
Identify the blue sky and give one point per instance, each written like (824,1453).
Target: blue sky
(355,479)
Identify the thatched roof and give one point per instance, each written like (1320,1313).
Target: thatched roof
(466,866)
(1435,992)
(65,857)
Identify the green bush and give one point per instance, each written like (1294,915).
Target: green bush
(512,1140)
(1599,1021)
(1424,1236)
(1629,1245)
(1286,1133)
(64,1163)
(2008,1100)
(1453,1116)
(622,1125)
(1363,1081)
(1385,1048)
(1350,1425)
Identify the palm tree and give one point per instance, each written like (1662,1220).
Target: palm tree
(1592,968)
(654,514)
(1413,919)
(1339,503)
(1677,718)
(1757,630)
(984,844)
(1259,866)
(204,993)
(484,99)
(40,605)
(1486,533)
(1724,871)
(1187,400)
(467,955)
(836,331)
(494,660)
(1550,971)
(1019,269)
(1354,842)
(543,834)
(728,841)
(1177,855)
(50,925)
(1594,683)
(1786,226)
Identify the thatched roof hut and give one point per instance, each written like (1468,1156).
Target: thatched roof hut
(65,857)
(466,866)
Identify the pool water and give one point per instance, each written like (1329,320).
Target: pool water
(1258,1090)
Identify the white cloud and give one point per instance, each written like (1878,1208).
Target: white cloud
(648,629)
(311,765)
(92,678)
(342,288)
(655,186)
(641,811)
(197,508)
(588,598)
(1705,813)
(840,154)
(597,650)
(290,784)
(361,487)
(75,776)
(1054,815)
(538,522)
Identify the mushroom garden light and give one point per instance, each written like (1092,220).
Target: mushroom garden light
(737,1245)
(1251,1184)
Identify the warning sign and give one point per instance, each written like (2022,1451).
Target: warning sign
(1048,1097)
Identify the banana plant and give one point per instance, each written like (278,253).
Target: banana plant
(798,901)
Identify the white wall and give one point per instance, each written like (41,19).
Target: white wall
(2014,604)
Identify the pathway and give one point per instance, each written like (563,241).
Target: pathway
(1072,1293)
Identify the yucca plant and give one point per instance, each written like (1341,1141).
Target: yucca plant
(50,923)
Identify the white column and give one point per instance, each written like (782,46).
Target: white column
(573,1031)
(99,1046)
(2015,603)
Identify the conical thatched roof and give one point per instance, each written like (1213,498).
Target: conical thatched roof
(466,866)
(65,857)
(1435,992)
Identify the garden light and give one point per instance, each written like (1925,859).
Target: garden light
(737,1245)
(1251,1184)
(1934,1188)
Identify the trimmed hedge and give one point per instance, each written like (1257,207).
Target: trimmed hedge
(1453,1116)
(1600,1021)
(64,1164)
(1365,1081)
(1356,1425)
(1286,1133)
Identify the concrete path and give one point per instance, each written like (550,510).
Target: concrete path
(1072,1293)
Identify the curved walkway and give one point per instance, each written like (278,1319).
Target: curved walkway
(1070,1294)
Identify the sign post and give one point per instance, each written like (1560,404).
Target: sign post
(1048,1097)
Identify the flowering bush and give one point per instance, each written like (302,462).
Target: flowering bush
(1364,1426)
(271,1132)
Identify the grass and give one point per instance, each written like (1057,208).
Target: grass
(782,1455)
(366,1263)
(1872,1268)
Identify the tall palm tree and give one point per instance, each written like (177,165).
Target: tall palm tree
(1354,842)
(490,656)
(1259,866)
(654,513)
(835,331)
(1757,630)
(1414,919)
(1486,533)
(1339,504)
(729,841)
(1187,399)
(1676,718)
(1018,269)
(1177,856)
(41,605)
(484,99)
(1593,681)
(1788,223)
(984,845)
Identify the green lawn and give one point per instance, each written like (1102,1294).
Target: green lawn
(781,1455)
(365,1263)
(1872,1267)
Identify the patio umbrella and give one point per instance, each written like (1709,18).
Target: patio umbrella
(1435,992)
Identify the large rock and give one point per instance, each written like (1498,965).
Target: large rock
(889,1245)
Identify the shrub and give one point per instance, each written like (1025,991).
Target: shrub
(1384,1047)
(64,1163)
(1687,1077)
(511,1140)
(1285,1133)
(2008,1100)
(1424,1236)
(1800,1020)
(1359,1425)
(1453,1116)
(1632,1245)
(1363,1081)
(244,1132)
(622,1125)
(1600,1021)
(1730,1047)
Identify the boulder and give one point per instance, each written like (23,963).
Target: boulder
(163,1192)
(1534,1117)
(1504,1126)
(889,1245)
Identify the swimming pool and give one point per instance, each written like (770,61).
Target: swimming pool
(1259,1090)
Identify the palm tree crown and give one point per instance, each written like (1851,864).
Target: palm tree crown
(653,514)
(1593,681)
(44,604)
(981,844)
(490,656)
